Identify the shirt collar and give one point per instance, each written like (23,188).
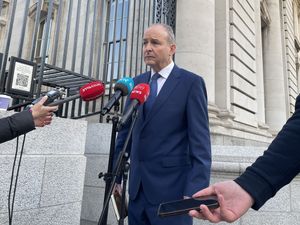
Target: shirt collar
(165,72)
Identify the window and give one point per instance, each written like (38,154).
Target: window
(41,39)
(117,32)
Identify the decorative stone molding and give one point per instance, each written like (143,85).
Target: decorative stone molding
(263,126)
(265,15)
(221,123)
(227,117)
(213,112)
(6,2)
(44,8)
(3,22)
(3,18)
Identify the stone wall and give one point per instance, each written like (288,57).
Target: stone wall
(51,178)
(96,152)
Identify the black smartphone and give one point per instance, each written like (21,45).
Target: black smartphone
(183,206)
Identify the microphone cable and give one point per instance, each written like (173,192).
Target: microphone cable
(11,186)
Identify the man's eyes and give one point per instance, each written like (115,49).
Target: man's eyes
(151,42)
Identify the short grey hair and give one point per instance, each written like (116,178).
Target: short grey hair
(169,30)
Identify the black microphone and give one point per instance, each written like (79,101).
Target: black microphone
(122,88)
(52,95)
(138,96)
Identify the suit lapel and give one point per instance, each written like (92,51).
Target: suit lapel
(145,78)
(168,87)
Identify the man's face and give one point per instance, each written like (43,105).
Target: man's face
(157,50)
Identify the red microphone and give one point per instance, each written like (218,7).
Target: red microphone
(140,93)
(138,96)
(92,91)
(87,92)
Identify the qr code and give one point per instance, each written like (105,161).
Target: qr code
(22,80)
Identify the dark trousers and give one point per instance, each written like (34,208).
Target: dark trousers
(141,212)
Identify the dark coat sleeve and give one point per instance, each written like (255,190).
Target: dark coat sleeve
(279,164)
(15,125)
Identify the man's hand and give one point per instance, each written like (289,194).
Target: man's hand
(118,188)
(233,200)
(42,115)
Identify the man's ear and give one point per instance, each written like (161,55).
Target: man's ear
(172,49)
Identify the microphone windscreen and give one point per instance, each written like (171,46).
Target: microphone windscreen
(140,92)
(92,91)
(125,85)
(121,87)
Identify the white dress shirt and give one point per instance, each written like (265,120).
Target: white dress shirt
(164,74)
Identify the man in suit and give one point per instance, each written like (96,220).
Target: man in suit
(170,152)
(25,121)
(279,164)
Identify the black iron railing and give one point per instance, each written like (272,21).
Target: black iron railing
(75,42)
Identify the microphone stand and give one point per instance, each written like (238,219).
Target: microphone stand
(122,166)
(108,175)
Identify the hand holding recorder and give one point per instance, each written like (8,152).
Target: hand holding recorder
(42,114)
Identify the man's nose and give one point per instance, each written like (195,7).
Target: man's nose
(147,47)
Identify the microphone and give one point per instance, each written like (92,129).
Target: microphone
(87,92)
(138,96)
(122,88)
(52,95)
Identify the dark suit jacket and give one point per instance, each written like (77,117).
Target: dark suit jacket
(279,164)
(170,150)
(15,125)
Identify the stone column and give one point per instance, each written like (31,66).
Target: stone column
(195,37)
(259,67)
(274,77)
(222,62)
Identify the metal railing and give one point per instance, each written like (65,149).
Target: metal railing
(92,39)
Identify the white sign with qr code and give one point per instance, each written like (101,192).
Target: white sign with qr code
(22,77)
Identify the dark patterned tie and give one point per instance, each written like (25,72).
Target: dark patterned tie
(153,93)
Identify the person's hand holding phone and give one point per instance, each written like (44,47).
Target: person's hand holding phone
(234,202)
